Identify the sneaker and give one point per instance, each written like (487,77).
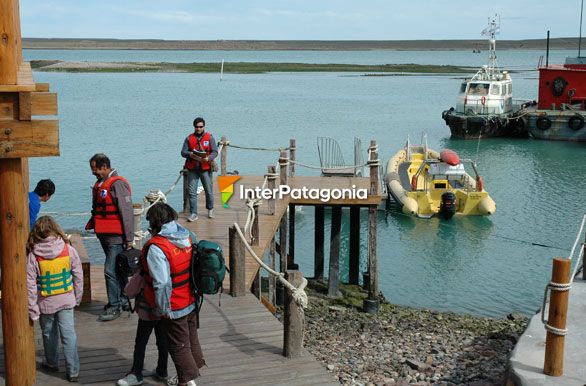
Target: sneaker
(160,378)
(210,213)
(172,381)
(126,307)
(191,383)
(49,368)
(129,380)
(110,314)
(192,218)
(72,378)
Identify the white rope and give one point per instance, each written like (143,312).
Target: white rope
(578,237)
(65,213)
(250,204)
(298,294)
(257,148)
(553,286)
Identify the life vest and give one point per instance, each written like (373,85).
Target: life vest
(203,144)
(55,274)
(105,214)
(180,264)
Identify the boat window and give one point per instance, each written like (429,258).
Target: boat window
(440,185)
(495,90)
(510,88)
(478,89)
(504,90)
(463,88)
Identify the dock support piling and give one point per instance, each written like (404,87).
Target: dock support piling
(271,177)
(354,258)
(334,271)
(283,163)
(272,279)
(255,231)
(137,211)
(223,157)
(237,254)
(371,304)
(256,286)
(292,151)
(558,310)
(319,243)
(291,258)
(293,321)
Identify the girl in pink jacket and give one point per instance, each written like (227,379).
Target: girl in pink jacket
(55,286)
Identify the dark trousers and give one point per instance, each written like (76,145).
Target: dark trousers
(184,346)
(143,332)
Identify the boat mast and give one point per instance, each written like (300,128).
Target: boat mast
(580,36)
(491,31)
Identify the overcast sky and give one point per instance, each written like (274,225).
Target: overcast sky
(296,19)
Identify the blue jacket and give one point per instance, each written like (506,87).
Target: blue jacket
(34,206)
(160,270)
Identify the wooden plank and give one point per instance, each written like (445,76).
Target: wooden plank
(42,87)
(36,138)
(24,78)
(8,106)
(24,106)
(43,103)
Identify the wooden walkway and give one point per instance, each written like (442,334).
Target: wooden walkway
(216,229)
(241,340)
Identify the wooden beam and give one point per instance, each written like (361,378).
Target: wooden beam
(38,138)
(17,328)
(42,87)
(237,254)
(291,256)
(8,106)
(8,43)
(334,271)
(319,243)
(294,320)
(24,106)
(354,258)
(43,103)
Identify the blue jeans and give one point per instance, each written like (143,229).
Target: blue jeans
(114,285)
(55,325)
(193,177)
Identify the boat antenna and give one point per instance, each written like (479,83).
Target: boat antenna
(222,70)
(491,31)
(580,36)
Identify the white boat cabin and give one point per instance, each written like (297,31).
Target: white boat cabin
(486,97)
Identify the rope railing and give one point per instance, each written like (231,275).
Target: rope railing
(298,293)
(255,148)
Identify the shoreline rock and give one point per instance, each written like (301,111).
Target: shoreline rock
(401,345)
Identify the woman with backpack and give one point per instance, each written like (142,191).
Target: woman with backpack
(166,260)
(55,285)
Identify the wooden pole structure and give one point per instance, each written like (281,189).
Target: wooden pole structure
(283,162)
(223,157)
(334,271)
(558,310)
(319,243)
(9,42)
(293,321)
(371,304)
(255,231)
(237,254)
(271,177)
(354,258)
(292,151)
(291,257)
(584,265)
(185,191)
(272,278)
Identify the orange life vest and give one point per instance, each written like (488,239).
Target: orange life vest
(105,214)
(204,144)
(180,264)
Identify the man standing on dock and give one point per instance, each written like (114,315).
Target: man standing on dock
(199,150)
(113,221)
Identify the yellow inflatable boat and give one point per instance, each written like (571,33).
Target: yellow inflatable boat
(427,183)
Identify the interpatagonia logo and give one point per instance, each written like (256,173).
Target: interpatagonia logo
(226,185)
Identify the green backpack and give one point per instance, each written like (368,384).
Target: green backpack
(208,267)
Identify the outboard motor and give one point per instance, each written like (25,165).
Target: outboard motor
(448,205)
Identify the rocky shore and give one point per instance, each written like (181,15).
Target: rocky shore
(401,346)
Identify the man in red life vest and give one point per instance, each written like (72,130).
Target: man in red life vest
(199,150)
(113,221)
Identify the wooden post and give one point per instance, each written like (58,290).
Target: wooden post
(223,157)
(137,209)
(373,161)
(291,257)
(558,310)
(293,321)
(283,226)
(292,151)
(334,272)
(256,286)
(354,258)
(185,191)
(237,263)
(319,243)
(271,177)
(371,304)
(8,42)
(272,278)
(584,269)
(255,227)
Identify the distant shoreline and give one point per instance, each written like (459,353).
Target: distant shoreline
(294,45)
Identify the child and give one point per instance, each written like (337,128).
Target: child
(147,321)
(55,286)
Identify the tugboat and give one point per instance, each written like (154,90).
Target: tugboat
(485,102)
(561,108)
(425,183)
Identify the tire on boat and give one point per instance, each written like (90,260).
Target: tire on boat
(576,122)
(543,123)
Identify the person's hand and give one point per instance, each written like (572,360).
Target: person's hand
(127,246)
(206,159)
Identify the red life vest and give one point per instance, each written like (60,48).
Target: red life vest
(180,263)
(204,144)
(105,214)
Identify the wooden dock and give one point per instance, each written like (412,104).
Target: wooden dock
(241,340)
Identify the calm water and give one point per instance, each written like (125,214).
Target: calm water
(488,266)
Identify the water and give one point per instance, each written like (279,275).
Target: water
(488,266)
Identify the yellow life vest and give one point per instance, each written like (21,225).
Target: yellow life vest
(55,277)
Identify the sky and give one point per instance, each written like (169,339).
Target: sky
(296,19)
